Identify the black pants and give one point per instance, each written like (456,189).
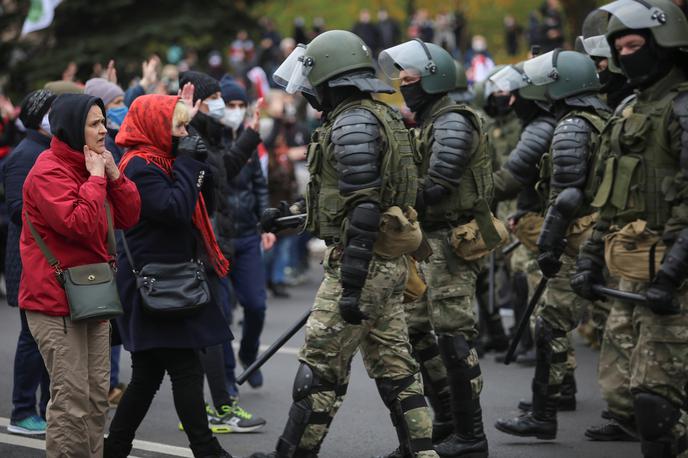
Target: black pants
(148,370)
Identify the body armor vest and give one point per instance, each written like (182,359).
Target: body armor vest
(327,207)
(639,165)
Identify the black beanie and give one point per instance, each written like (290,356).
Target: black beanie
(68,118)
(204,84)
(34,106)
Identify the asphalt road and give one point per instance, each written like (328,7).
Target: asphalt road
(361,429)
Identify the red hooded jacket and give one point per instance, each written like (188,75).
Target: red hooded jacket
(67,207)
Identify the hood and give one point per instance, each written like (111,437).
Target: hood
(68,115)
(148,124)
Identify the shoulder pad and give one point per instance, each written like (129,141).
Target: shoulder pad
(535,140)
(588,101)
(680,109)
(452,146)
(625,103)
(356,136)
(355,126)
(570,146)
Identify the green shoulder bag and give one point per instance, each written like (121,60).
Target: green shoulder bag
(91,289)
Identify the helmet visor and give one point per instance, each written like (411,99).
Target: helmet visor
(292,75)
(597,46)
(540,70)
(636,14)
(508,79)
(411,56)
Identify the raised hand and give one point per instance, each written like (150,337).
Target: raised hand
(111,72)
(111,169)
(95,163)
(186,94)
(254,123)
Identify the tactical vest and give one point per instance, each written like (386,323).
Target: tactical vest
(503,135)
(327,207)
(474,195)
(639,165)
(593,179)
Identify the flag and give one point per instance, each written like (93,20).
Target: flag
(40,15)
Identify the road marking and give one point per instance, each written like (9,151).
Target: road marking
(39,444)
(283,350)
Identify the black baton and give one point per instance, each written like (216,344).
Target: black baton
(525,320)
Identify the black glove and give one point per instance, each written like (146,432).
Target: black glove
(268,219)
(661,296)
(588,273)
(348,307)
(549,264)
(433,193)
(194,147)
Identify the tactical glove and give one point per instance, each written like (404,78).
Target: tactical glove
(268,219)
(194,147)
(348,307)
(588,273)
(433,193)
(661,296)
(549,264)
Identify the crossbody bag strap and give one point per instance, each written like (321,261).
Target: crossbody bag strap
(128,253)
(52,260)
(111,242)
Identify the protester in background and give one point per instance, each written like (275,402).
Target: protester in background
(478,60)
(367,31)
(388,31)
(64,199)
(247,197)
(552,26)
(512,34)
(174,181)
(29,370)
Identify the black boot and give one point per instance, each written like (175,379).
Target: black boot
(115,449)
(611,432)
(567,394)
(212,449)
(468,439)
(540,423)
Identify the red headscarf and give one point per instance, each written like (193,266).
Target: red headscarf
(147,133)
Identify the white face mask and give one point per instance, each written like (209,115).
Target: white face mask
(233,117)
(216,108)
(45,124)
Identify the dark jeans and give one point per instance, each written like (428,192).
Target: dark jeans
(148,370)
(115,352)
(248,278)
(29,374)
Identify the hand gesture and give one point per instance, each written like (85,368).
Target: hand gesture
(6,107)
(186,93)
(111,169)
(95,163)
(149,71)
(111,72)
(254,123)
(268,240)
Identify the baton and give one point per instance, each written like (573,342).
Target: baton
(491,284)
(617,294)
(525,320)
(267,354)
(511,247)
(289,220)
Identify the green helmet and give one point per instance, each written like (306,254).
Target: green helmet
(663,18)
(593,41)
(558,75)
(434,65)
(330,54)
(461,83)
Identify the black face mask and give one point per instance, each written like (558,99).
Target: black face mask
(498,106)
(646,66)
(175,145)
(414,96)
(312,101)
(616,87)
(525,109)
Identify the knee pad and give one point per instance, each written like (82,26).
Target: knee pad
(654,415)
(307,382)
(454,348)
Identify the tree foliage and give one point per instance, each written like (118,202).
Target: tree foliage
(86,32)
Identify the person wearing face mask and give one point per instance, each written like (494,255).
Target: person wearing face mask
(516,179)
(246,198)
(174,180)
(115,110)
(450,140)
(644,146)
(29,370)
(226,160)
(64,199)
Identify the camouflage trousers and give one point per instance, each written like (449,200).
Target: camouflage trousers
(331,344)
(446,308)
(644,352)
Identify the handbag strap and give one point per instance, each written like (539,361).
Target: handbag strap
(52,260)
(128,252)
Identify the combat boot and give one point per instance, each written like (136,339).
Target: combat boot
(567,396)
(541,422)
(610,432)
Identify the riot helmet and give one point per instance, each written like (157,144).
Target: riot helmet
(558,75)
(431,63)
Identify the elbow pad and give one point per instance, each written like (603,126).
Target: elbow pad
(361,234)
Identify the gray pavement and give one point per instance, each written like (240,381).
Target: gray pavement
(362,428)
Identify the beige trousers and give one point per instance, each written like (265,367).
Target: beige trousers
(77,356)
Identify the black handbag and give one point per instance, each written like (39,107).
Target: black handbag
(91,289)
(171,290)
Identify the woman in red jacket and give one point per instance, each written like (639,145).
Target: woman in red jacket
(64,198)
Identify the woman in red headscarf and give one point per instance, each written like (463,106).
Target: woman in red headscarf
(173,179)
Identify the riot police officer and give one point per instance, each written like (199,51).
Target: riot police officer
(455,188)
(568,80)
(361,171)
(642,233)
